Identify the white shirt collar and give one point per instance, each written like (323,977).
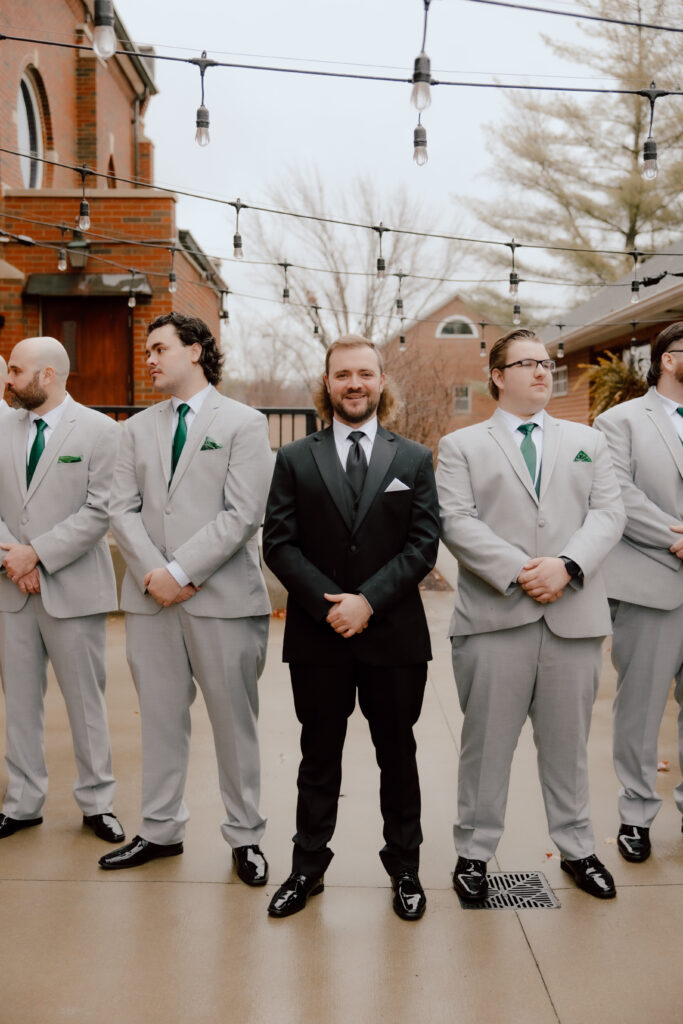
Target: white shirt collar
(342,430)
(52,417)
(512,421)
(670,405)
(195,403)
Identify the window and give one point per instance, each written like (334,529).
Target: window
(456,325)
(30,133)
(560,381)
(461,398)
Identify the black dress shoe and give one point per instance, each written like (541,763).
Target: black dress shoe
(251,865)
(137,852)
(470,881)
(409,897)
(292,895)
(633,843)
(8,826)
(591,876)
(105,826)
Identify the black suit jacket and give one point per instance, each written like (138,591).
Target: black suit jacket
(314,546)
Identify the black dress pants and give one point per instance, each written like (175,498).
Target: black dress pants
(390,698)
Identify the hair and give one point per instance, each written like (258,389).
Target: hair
(674,332)
(498,353)
(389,403)
(193,331)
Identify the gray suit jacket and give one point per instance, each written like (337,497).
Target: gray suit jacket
(207,519)
(63,514)
(493,522)
(648,459)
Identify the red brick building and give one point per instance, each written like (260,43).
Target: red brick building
(66,106)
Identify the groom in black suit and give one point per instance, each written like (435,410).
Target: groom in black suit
(351,528)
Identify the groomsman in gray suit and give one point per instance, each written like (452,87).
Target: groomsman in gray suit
(188,498)
(3,378)
(56,583)
(645,579)
(530,506)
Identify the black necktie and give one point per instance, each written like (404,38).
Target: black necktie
(356,463)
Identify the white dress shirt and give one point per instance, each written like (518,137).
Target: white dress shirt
(195,403)
(341,433)
(672,411)
(51,418)
(512,422)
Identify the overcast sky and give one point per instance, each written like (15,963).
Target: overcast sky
(263,123)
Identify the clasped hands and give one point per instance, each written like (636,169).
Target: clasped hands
(677,547)
(544,579)
(165,589)
(349,614)
(20,564)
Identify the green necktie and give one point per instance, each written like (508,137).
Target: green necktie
(180,436)
(37,449)
(529,448)
(679,410)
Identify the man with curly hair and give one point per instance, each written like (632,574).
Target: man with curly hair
(188,497)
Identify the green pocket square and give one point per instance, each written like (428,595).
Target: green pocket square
(70,458)
(582,457)
(210,445)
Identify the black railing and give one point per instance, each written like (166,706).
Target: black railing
(284,424)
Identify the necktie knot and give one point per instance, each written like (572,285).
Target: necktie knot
(526,428)
(37,449)
(356,435)
(679,410)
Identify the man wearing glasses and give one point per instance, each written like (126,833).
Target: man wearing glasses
(645,580)
(530,506)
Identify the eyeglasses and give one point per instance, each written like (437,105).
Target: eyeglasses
(674,350)
(531,364)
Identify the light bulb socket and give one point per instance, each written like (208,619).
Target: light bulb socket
(560,349)
(402,343)
(237,250)
(61,260)
(381,266)
(399,305)
(514,282)
(285,294)
(635,291)
(104,13)
(202,137)
(315,329)
(482,348)
(172,282)
(422,77)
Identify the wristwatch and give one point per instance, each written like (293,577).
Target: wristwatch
(574,570)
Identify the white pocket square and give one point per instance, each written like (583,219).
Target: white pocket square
(397,485)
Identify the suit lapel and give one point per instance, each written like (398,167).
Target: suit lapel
(324,452)
(501,435)
(164,427)
(53,446)
(383,453)
(19,449)
(195,437)
(551,444)
(658,415)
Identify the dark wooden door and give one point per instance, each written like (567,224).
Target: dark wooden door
(97,336)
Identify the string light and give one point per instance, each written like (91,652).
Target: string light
(224,312)
(420,154)
(517,314)
(83,221)
(131,290)
(635,283)
(172,279)
(316,329)
(560,343)
(399,298)
(237,250)
(381,264)
(482,344)
(285,291)
(420,96)
(202,137)
(402,338)
(650,146)
(514,279)
(104,37)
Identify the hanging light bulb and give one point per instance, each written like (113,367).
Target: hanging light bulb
(237,250)
(421,96)
(560,342)
(650,160)
(402,338)
(381,264)
(201,136)
(61,260)
(482,343)
(131,300)
(285,295)
(316,330)
(399,305)
(420,154)
(516,314)
(635,289)
(172,282)
(381,267)
(104,37)
(224,314)
(514,283)
(84,216)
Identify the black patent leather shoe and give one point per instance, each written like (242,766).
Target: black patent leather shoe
(8,826)
(592,876)
(409,898)
(633,843)
(470,881)
(292,895)
(251,865)
(105,826)
(137,852)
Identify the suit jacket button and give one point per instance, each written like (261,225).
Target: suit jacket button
(167,511)
(541,522)
(354,547)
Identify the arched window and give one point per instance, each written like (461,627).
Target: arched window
(458,326)
(30,133)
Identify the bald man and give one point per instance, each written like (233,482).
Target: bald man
(56,583)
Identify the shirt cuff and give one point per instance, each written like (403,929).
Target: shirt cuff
(178,574)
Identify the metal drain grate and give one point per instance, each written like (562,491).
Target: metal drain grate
(517,890)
